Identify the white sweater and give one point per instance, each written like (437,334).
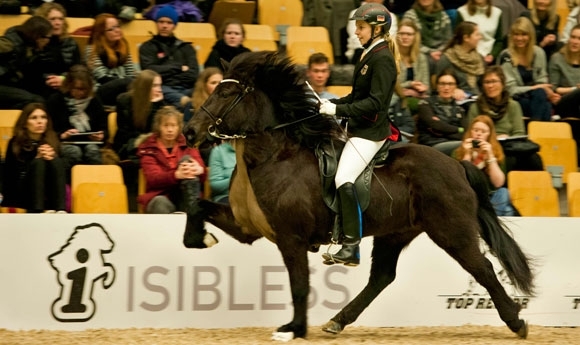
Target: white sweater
(487,26)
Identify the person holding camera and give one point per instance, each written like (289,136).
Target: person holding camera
(481,147)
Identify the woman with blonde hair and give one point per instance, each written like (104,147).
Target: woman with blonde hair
(62,51)
(414,75)
(481,147)
(434,25)
(565,75)
(546,23)
(206,82)
(524,65)
(488,18)
(572,20)
(109,59)
(135,111)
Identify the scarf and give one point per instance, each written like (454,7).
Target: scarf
(492,108)
(470,63)
(431,24)
(171,157)
(79,118)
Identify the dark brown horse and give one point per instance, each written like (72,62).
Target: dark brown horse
(275,192)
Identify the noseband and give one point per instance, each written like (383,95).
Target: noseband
(213,129)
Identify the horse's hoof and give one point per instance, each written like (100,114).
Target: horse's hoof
(297,331)
(332,327)
(209,240)
(523,331)
(282,336)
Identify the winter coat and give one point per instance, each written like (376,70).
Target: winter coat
(159,175)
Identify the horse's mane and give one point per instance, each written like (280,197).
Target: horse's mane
(284,85)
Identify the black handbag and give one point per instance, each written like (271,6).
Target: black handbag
(520,147)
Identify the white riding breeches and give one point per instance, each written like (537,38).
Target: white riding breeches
(355,157)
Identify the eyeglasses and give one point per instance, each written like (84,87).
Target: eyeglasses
(446,84)
(492,81)
(113,28)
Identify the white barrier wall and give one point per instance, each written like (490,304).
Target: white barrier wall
(75,272)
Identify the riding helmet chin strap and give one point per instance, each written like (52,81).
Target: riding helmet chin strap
(371,40)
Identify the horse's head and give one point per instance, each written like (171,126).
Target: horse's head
(260,91)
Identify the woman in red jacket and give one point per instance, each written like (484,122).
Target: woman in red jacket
(174,173)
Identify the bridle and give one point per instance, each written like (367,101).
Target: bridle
(213,129)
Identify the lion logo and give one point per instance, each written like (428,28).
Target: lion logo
(79,264)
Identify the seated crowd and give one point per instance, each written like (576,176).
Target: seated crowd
(460,76)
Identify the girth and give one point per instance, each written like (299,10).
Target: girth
(328,156)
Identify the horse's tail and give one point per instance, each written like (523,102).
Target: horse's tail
(495,234)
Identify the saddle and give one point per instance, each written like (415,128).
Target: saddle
(328,155)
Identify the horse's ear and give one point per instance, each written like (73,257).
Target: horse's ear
(225,64)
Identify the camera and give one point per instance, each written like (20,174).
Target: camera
(475,143)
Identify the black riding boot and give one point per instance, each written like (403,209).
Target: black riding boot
(351,219)
(195,235)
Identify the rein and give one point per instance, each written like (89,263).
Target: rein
(213,130)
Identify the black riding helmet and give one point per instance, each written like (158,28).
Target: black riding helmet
(376,15)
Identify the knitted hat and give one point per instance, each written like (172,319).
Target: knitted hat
(169,12)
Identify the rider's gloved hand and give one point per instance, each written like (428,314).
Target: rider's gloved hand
(327,108)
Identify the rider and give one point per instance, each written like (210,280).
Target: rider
(366,109)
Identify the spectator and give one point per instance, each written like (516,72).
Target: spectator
(229,44)
(19,49)
(206,82)
(135,111)
(461,56)
(222,161)
(481,147)
(59,55)
(572,20)
(434,25)
(75,110)
(414,75)
(108,57)
(488,19)
(440,122)
(546,23)
(174,172)
(174,59)
(495,102)
(564,70)
(524,65)
(353,47)
(35,172)
(318,73)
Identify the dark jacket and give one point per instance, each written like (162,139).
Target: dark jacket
(160,177)
(449,127)
(166,55)
(124,142)
(221,50)
(15,55)
(373,85)
(60,112)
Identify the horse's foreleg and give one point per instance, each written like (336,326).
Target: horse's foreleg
(222,217)
(296,261)
(383,271)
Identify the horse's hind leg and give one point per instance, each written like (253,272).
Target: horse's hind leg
(383,271)
(468,254)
